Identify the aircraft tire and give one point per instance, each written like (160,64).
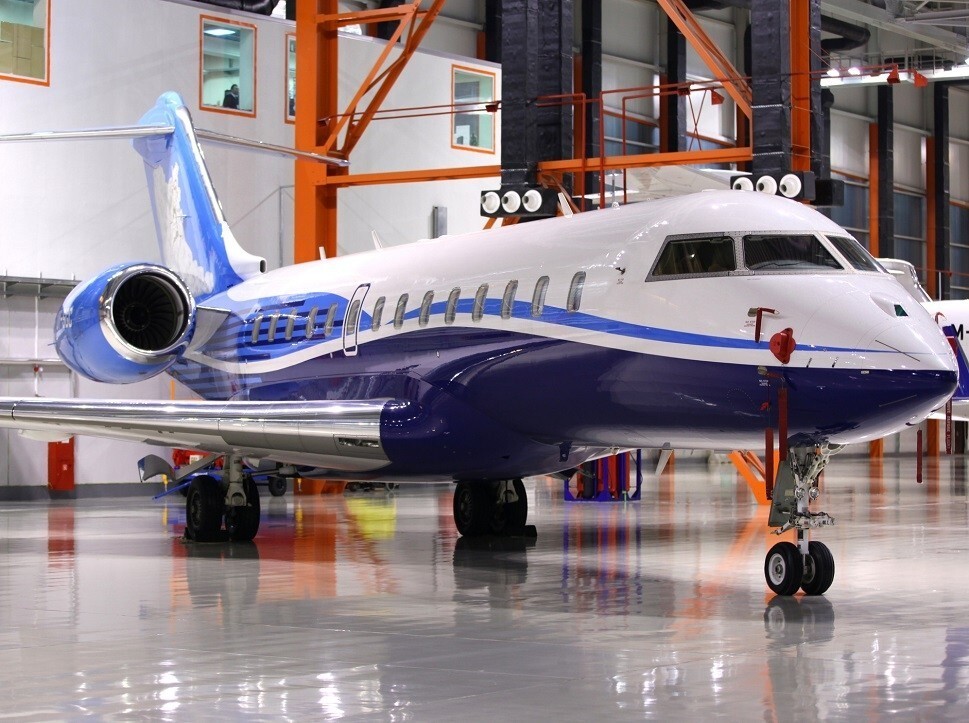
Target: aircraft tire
(276,485)
(242,523)
(818,569)
(469,503)
(784,568)
(204,507)
(508,519)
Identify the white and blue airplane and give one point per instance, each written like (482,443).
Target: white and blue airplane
(491,356)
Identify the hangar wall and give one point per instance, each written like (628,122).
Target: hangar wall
(69,209)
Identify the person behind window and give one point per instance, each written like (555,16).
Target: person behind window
(231,99)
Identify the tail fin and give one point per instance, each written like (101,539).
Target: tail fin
(196,242)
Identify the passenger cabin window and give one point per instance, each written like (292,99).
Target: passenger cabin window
(352,317)
(575,292)
(311,322)
(787,253)
(477,311)
(378,312)
(401,310)
(227,76)
(452,305)
(696,256)
(330,320)
(273,323)
(508,300)
(290,324)
(857,256)
(256,326)
(426,308)
(538,298)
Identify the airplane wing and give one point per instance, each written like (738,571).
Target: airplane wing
(336,435)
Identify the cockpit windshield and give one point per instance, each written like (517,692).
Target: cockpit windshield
(787,252)
(856,255)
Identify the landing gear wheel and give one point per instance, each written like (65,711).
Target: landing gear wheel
(276,485)
(784,568)
(204,507)
(509,518)
(242,523)
(818,569)
(469,506)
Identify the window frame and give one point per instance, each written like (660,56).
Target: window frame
(288,117)
(451,310)
(401,310)
(311,322)
(574,300)
(425,315)
(256,328)
(508,299)
(538,296)
(30,80)
(330,320)
(681,238)
(478,306)
(455,69)
(255,66)
(378,312)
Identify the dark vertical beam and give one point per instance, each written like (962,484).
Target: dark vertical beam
(672,128)
(592,84)
(492,29)
(536,60)
(771,85)
(290,9)
(385,31)
(821,101)
(886,171)
(940,199)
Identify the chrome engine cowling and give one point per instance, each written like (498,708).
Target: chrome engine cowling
(129,323)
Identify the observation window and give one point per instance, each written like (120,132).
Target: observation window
(452,305)
(227,76)
(696,256)
(330,320)
(538,298)
(24,42)
(290,323)
(784,252)
(473,93)
(290,78)
(426,308)
(256,326)
(854,253)
(378,312)
(352,317)
(401,310)
(575,292)
(311,322)
(477,310)
(273,323)
(508,300)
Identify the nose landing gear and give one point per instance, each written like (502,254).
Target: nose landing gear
(808,565)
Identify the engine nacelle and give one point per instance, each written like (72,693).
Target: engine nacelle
(129,323)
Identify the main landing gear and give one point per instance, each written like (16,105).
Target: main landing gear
(234,498)
(490,508)
(808,565)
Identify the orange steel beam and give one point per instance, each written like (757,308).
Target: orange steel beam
(736,84)
(319,122)
(570,165)
(801,82)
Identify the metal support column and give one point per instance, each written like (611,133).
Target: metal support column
(771,84)
(886,172)
(536,60)
(592,85)
(672,127)
(938,201)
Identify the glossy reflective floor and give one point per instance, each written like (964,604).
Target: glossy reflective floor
(368,607)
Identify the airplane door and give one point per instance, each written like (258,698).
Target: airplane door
(351,322)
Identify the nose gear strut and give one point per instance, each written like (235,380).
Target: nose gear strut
(808,565)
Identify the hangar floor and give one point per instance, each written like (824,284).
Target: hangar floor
(370,607)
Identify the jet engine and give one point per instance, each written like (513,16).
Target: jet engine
(129,323)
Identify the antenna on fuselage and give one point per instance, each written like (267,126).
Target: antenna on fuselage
(377,243)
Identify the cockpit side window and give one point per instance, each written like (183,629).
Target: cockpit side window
(787,252)
(696,256)
(854,253)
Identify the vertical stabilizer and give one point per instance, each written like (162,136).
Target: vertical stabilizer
(195,240)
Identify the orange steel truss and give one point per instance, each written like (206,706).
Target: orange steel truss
(323,128)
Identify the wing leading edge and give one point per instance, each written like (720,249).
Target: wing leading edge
(337,435)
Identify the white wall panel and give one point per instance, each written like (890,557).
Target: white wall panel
(849,144)
(959,171)
(909,158)
(632,30)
